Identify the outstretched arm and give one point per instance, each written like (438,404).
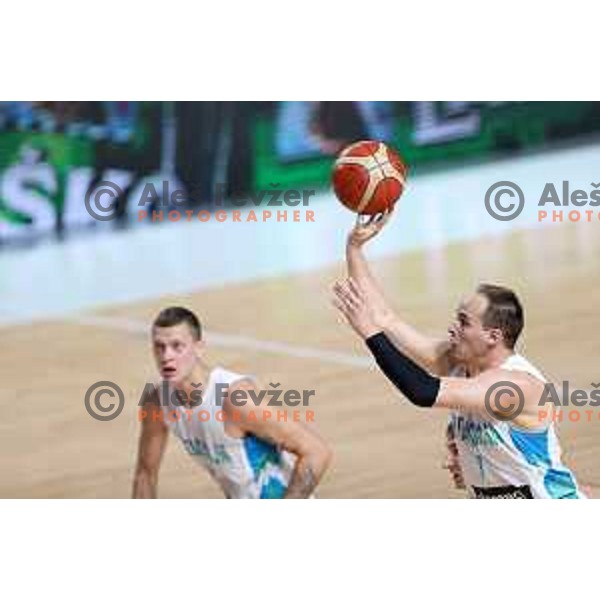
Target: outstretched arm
(153,439)
(427,390)
(429,352)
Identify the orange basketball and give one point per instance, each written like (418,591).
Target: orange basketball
(368,177)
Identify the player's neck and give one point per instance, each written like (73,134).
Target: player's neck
(198,378)
(493,360)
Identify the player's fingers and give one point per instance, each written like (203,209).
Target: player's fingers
(347,297)
(457,479)
(362,222)
(354,295)
(336,286)
(383,217)
(380,221)
(340,288)
(460,483)
(371,224)
(340,306)
(457,475)
(452,448)
(386,216)
(355,288)
(350,291)
(368,225)
(339,293)
(449,464)
(352,302)
(346,310)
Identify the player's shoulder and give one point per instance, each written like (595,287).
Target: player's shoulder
(522,382)
(223,375)
(220,372)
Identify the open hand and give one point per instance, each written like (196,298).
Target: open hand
(352,303)
(364,230)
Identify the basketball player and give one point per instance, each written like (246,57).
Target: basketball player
(249,455)
(491,454)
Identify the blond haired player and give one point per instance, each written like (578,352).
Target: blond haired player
(248,454)
(495,451)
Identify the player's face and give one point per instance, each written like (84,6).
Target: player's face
(469,339)
(175,351)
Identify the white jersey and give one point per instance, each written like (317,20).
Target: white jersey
(501,460)
(246,467)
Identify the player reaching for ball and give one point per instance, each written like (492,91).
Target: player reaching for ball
(249,452)
(497,448)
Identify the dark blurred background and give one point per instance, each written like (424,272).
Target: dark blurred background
(51,153)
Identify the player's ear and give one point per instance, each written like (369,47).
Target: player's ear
(495,336)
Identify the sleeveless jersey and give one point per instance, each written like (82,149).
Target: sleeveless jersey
(501,460)
(246,467)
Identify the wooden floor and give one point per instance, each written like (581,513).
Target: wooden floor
(384,447)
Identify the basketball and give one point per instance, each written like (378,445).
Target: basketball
(368,177)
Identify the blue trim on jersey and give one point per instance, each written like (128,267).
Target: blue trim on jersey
(260,455)
(560,484)
(533,445)
(273,489)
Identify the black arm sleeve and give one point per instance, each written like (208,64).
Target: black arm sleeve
(415,383)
